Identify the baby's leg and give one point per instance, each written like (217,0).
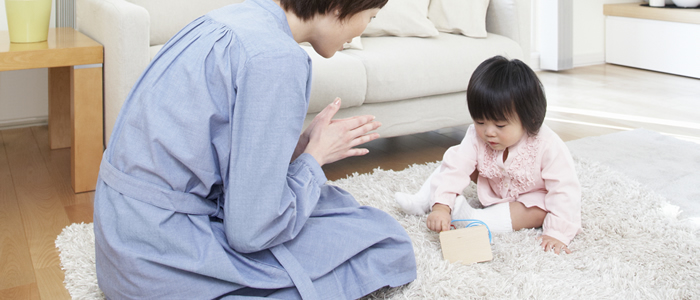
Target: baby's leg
(496,217)
(418,203)
(505,217)
(526,217)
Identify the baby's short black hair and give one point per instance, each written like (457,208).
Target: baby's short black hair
(307,9)
(500,87)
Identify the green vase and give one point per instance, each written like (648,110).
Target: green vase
(28,20)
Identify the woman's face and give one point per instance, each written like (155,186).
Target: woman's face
(332,33)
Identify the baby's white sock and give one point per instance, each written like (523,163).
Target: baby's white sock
(418,203)
(496,217)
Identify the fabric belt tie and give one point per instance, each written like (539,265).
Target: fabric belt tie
(296,272)
(155,195)
(195,205)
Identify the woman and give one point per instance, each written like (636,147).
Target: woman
(197,198)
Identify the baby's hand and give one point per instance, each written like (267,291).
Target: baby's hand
(550,243)
(439,219)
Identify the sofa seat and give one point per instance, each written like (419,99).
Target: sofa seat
(340,76)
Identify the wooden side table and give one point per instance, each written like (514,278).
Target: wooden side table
(75,95)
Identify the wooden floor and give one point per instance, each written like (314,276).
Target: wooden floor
(36,200)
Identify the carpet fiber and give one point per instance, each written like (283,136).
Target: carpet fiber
(633,246)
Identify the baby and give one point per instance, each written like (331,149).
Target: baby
(524,173)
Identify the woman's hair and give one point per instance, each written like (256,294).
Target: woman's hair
(307,9)
(500,87)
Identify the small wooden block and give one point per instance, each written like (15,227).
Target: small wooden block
(466,245)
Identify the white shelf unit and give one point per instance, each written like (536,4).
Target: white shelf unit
(659,39)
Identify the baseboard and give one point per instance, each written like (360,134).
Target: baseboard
(26,122)
(589,59)
(580,60)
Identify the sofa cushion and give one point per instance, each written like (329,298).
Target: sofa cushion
(339,76)
(410,67)
(164,25)
(467,17)
(153,50)
(402,18)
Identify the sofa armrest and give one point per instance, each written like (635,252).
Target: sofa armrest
(510,18)
(123,30)
(502,19)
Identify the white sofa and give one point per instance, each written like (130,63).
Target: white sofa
(411,84)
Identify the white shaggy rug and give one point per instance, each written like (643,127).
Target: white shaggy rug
(633,247)
(665,164)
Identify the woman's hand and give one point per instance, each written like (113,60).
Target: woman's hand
(330,140)
(439,219)
(549,243)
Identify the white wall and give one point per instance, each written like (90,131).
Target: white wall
(588,31)
(23,94)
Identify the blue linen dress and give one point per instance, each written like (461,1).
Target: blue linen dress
(197,198)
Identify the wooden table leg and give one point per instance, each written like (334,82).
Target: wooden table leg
(86,118)
(59,108)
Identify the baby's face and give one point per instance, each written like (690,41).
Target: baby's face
(500,135)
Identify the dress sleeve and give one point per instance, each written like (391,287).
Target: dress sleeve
(458,163)
(563,199)
(268,200)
